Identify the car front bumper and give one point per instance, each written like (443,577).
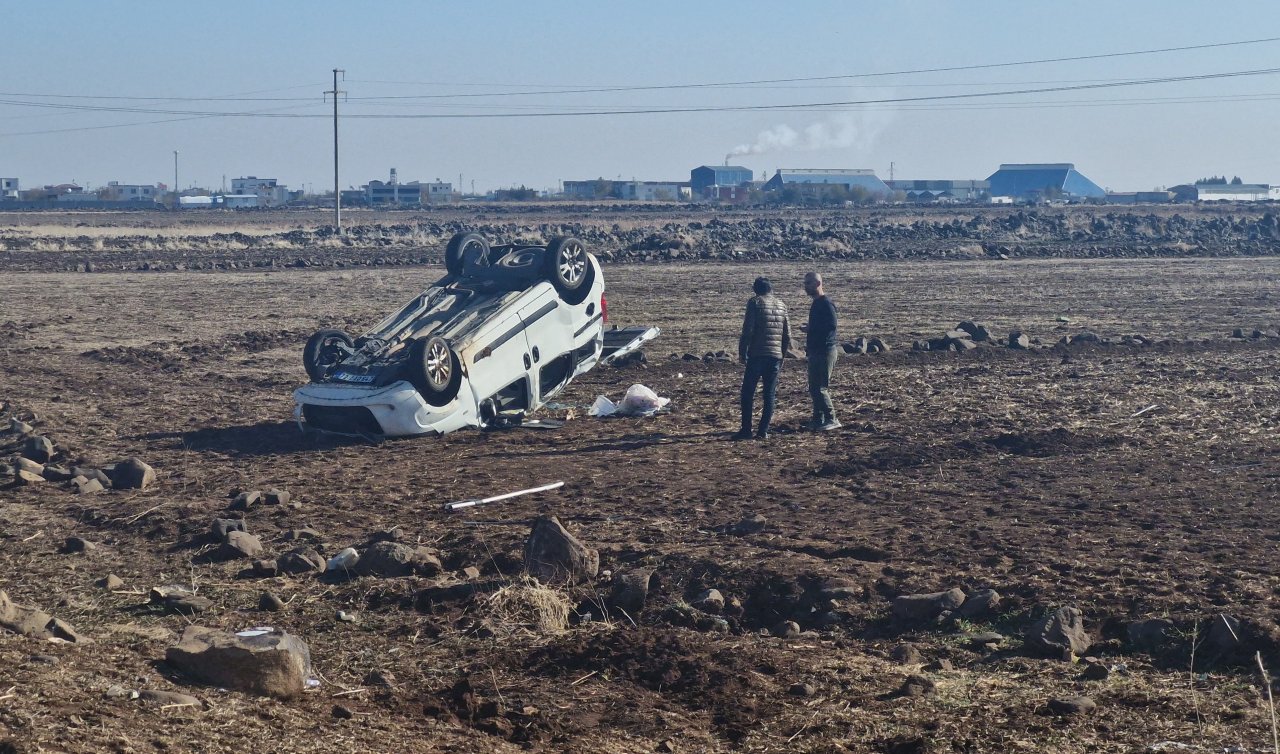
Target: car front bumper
(394,410)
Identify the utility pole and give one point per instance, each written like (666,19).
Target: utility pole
(337,189)
(890,171)
(177,202)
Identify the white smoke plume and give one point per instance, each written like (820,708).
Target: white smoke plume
(842,131)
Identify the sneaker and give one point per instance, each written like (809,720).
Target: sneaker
(813,425)
(832,423)
(742,434)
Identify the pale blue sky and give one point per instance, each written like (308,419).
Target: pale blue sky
(285,50)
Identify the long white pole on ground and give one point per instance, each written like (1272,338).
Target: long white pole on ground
(468,503)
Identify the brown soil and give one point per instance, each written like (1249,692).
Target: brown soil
(1032,473)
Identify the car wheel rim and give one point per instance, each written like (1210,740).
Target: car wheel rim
(573,263)
(439,364)
(330,352)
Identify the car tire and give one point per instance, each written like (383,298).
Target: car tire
(322,352)
(567,263)
(459,245)
(434,370)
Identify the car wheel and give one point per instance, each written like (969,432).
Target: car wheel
(567,263)
(455,253)
(434,370)
(323,350)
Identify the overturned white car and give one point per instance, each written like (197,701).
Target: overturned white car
(502,332)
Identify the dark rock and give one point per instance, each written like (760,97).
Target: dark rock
(38,448)
(78,545)
(111,582)
(962,344)
(19,427)
(1059,634)
(630,590)
(240,544)
(341,712)
(976,332)
(942,664)
(22,478)
(265,568)
(1072,705)
(305,534)
(918,685)
(787,629)
(270,602)
(981,604)
(554,556)
(301,560)
(276,497)
(1222,638)
(30,466)
(132,474)
(57,474)
(750,525)
(471,573)
(1019,341)
(1151,633)
(1096,672)
(711,601)
(391,559)
(906,654)
(35,623)
(84,486)
(245,500)
(802,689)
(167,698)
(923,607)
(223,526)
(273,664)
(90,473)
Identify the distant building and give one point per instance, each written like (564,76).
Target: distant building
(705,177)
(241,201)
(9,188)
(815,180)
(414,193)
(130,192)
(437,192)
(1139,197)
(1235,192)
(652,191)
(926,191)
(269,191)
(1039,182)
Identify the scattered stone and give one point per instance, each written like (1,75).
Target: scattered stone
(22,477)
(111,582)
(962,344)
(132,474)
(749,525)
(179,599)
(471,573)
(554,556)
(35,623)
(38,448)
(1222,638)
(28,465)
(305,534)
(1151,633)
(77,545)
(923,607)
(711,601)
(918,685)
(276,497)
(341,712)
(346,617)
(43,659)
(265,568)
(301,560)
(270,602)
(787,629)
(1096,671)
(84,486)
(89,473)
(57,474)
(391,559)
(240,544)
(1059,634)
(975,331)
(383,678)
(245,500)
(19,427)
(630,590)
(981,604)
(168,698)
(941,664)
(1018,340)
(906,654)
(119,692)
(667,746)
(802,689)
(1072,705)
(984,640)
(274,664)
(223,526)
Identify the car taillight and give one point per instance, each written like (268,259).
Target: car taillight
(604,309)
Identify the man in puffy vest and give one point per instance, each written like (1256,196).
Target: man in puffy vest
(820,343)
(766,338)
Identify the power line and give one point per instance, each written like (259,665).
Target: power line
(679,109)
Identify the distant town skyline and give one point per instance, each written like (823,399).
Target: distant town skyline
(536,94)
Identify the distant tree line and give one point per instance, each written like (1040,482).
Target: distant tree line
(1219,180)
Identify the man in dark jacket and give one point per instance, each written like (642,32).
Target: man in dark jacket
(820,343)
(766,338)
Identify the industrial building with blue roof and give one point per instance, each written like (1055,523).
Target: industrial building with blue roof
(1043,181)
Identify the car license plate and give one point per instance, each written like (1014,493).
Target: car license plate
(349,377)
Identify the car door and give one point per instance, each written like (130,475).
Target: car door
(502,361)
(550,334)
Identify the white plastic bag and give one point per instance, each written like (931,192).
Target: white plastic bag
(602,407)
(641,401)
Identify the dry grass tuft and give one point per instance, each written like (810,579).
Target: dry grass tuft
(526,606)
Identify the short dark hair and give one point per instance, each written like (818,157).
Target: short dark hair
(762,286)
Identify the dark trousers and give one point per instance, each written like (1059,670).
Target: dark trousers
(760,368)
(821,365)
